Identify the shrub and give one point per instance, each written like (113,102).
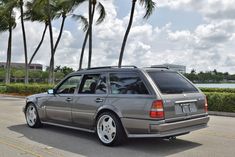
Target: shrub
(3,89)
(224,102)
(221,90)
(29,89)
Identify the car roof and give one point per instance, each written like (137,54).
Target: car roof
(117,69)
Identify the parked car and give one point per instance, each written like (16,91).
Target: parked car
(122,102)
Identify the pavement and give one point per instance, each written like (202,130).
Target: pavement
(18,140)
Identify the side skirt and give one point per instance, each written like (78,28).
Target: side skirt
(70,127)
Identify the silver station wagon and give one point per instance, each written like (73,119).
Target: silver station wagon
(117,103)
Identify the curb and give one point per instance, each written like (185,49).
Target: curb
(226,114)
(13,96)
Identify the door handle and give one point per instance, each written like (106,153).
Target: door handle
(99,100)
(69,99)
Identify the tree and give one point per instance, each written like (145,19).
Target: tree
(21,4)
(63,8)
(102,15)
(65,70)
(7,23)
(193,71)
(34,13)
(149,5)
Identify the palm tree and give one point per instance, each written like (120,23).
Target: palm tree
(42,11)
(149,5)
(46,11)
(102,15)
(33,13)
(7,23)
(63,9)
(21,3)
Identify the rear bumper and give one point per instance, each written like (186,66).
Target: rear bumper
(147,128)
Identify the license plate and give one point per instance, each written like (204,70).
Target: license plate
(185,108)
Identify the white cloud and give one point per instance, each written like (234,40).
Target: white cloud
(209,46)
(211,9)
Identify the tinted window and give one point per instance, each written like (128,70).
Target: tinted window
(127,83)
(93,84)
(172,82)
(69,85)
(101,86)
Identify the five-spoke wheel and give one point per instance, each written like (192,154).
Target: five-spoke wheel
(109,129)
(31,115)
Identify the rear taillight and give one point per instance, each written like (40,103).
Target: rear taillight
(157,110)
(206,105)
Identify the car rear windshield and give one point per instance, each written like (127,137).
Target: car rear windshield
(171,82)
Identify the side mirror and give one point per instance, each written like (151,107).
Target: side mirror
(50,91)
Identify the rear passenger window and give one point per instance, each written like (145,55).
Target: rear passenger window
(93,84)
(127,83)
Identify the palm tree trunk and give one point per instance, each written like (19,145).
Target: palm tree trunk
(60,34)
(51,67)
(8,63)
(83,49)
(90,34)
(127,33)
(25,43)
(39,45)
(85,40)
(52,61)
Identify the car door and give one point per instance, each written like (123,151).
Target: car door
(58,106)
(91,95)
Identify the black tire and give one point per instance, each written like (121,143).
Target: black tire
(120,136)
(36,123)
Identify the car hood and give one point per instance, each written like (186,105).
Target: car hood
(37,95)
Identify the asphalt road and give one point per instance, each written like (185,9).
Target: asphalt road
(18,140)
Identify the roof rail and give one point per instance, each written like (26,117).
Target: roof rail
(159,66)
(109,67)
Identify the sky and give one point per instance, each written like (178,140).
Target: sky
(199,34)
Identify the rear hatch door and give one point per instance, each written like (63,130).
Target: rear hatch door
(182,100)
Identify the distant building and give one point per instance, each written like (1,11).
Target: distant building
(179,68)
(22,65)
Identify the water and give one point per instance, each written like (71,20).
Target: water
(219,85)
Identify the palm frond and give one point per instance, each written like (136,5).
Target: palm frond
(149,6)
(102,13)
(82,19)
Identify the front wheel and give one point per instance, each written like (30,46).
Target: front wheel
(32,117)
(109,129)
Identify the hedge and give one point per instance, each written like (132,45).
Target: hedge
(219,99)
(3,89)
(220,90)
(22,89)
(224,102)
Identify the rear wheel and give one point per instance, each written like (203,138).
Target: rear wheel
(109,129)
(32,117)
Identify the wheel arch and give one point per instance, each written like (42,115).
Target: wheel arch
(108,108)
(27,104)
